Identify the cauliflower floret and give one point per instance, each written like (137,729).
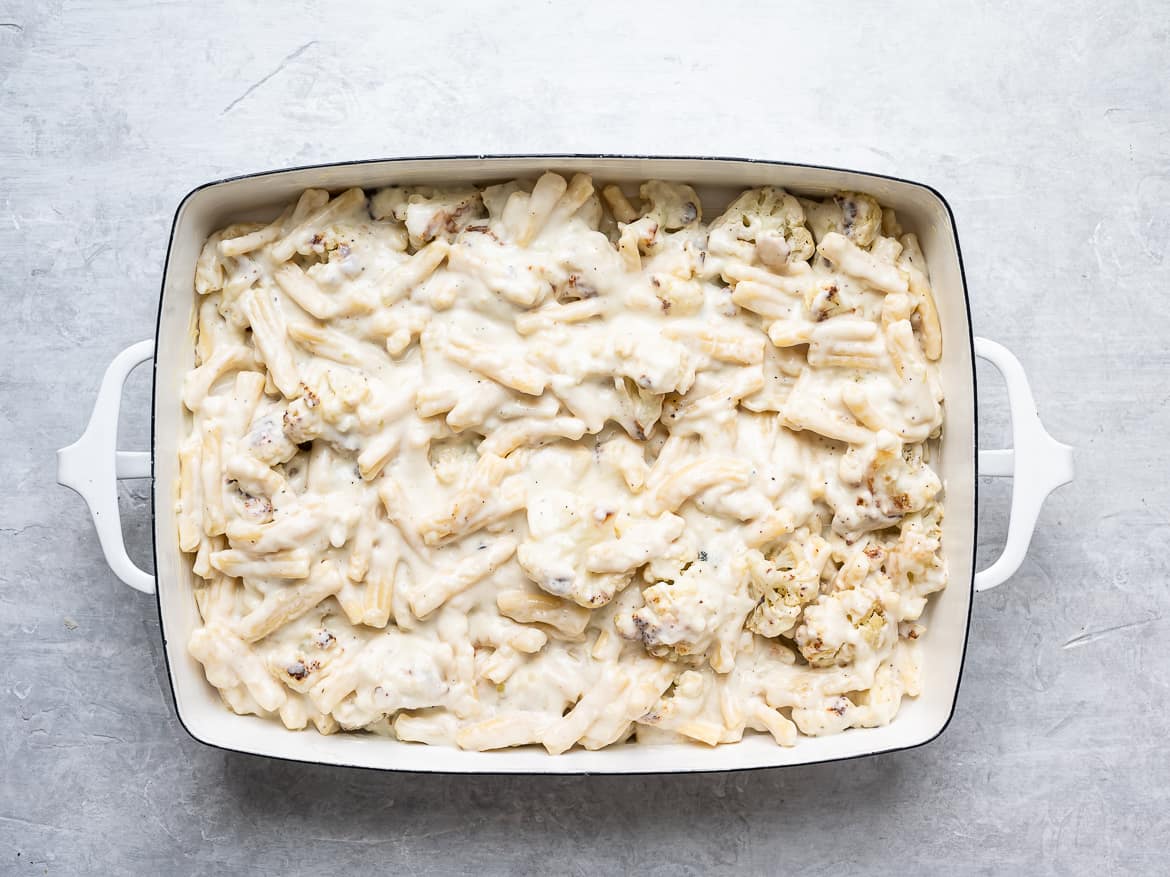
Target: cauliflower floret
(766,222)
(841,627)
(327,407)
(298,658)
(266,439)
(915,564)
(857,216)
(428,213)
(302,421)
(677,296)
(346,248)
(662,367)
(445,215)
(394,672)
(588,553)
(896,482)
(786,582)
(551,563)
(832,716)
(877,704)
(898,676)
(390,203)
(861,217)
(700,612)
(673,622)
(716,708)
(670,207)
(673,205)
(452,460)
(679,554)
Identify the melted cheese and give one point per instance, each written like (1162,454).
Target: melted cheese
(490,467)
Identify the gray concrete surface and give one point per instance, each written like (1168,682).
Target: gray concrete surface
(1047,126)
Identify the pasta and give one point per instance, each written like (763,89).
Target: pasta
(534,463)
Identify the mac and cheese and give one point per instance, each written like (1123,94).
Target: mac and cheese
(537,463)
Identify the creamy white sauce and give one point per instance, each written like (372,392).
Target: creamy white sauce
(489,468)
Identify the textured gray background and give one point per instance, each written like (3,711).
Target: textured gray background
(1048,131)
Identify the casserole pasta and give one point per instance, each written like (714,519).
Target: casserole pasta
(534,463)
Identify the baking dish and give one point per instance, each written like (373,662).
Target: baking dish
(93,464)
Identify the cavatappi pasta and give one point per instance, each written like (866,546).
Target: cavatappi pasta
(537,463)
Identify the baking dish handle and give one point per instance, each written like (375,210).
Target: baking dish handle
(1037,462)
(93,464)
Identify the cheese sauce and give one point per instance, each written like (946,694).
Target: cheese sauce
(537,464)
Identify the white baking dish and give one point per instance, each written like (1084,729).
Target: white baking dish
(1038,463)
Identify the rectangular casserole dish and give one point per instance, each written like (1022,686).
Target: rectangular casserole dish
(92,465)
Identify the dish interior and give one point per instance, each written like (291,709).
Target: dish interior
(717,182)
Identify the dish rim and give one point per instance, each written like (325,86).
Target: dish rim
(552,157)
